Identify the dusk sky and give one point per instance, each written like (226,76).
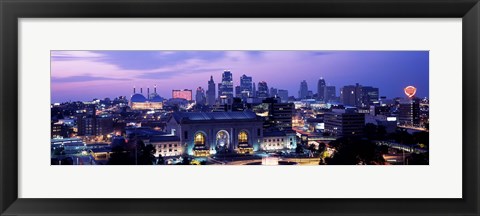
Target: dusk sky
(84,75)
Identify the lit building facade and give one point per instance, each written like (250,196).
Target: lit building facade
(246,89)
(409,112)
(59,130)
(370,96)
(184,94)
(203,133)
(278,140)
(166,146)
(279,114)
(139,102)
(94,126)
(225,88)
(344,122)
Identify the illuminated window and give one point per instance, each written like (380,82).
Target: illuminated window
(199,139)
(243,137)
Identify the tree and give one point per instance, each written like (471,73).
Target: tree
(417,159)
(421,138)
(402,137)
(352,151)
(161,160)
(381,132)
(186,160)
(321,147)
(145,153)
(135,152)
(120,156)
(374,132)
(370,131)
(299,149)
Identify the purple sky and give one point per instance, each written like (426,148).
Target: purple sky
(84,75)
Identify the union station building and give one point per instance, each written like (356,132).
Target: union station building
(206,133)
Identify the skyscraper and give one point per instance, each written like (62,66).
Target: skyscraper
(200,96)
(273,92)
(225,88)
(283,95)
(254,90)
(262,90)
(369,95)
(303,92)
(321,89)
(211,92)
(409,112)
(346,122)
(238,92)
(246,86)
(351,95)
(279,114)
(329,93)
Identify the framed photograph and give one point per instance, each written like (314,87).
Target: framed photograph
(227,107)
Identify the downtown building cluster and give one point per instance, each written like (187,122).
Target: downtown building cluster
(224,118)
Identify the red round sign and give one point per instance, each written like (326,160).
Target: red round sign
(410,91)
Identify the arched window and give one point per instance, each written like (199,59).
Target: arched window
(243,137)
(199,139)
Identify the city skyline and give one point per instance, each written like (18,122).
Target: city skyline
(84,75)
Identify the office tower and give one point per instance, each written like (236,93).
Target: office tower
(254,90)
(246,86)
(279,115)
(351,95)
(238,92)
(200,96)
(211,92)
(409,112)
(283,95)
(321,89)
(344,122)
(262,90)
(329,93)
(273,92)
(225,88)
(303,92)
(369,95)
(93,125)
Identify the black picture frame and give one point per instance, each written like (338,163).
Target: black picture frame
(12,10)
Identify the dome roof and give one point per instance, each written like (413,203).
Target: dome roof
(157,99)
(138,98)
